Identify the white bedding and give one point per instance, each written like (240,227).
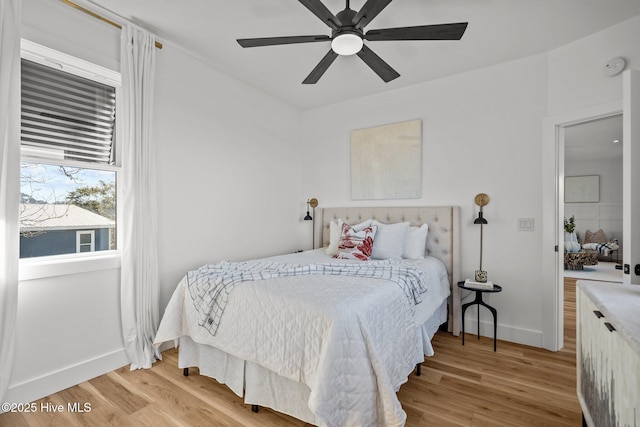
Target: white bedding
(351,341)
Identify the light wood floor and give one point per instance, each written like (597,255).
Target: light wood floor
(466,385)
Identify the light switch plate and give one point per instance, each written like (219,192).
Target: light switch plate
(526,224)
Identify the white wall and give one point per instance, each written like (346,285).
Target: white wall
(228,170)
(481,133)
(576,79)
(60,27)
(577,88)
(67,331)
(228,182)
(607,213)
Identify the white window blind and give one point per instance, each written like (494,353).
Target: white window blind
(65,116)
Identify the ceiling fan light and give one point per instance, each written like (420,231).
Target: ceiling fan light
(346,44)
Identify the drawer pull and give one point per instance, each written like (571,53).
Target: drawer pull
(609,326)
(598,314)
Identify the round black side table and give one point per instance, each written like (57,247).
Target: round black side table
(478,301)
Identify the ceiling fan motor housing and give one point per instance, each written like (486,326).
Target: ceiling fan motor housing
(347,39)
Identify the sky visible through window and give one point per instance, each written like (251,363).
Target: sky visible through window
(43,183)
(57,201)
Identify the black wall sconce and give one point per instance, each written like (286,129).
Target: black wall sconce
(312,203)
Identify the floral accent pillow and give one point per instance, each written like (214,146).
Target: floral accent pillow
(335,231)
(356,245)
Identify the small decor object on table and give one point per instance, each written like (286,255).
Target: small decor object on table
(571,243)
(478,285)
(481,200)
(570,224)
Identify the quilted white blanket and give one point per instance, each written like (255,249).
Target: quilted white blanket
(210,285)
(351,340)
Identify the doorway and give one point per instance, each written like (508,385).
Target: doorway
(553,173)
(593,154)
(553,191)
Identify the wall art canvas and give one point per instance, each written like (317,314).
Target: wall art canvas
(582,189)
(386,162)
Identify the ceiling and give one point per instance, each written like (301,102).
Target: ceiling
(594,140)
(498,31)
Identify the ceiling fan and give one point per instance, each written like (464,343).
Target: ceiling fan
(347,36)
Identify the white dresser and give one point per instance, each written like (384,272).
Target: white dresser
(608,353)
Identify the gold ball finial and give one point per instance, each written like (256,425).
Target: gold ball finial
(482,199)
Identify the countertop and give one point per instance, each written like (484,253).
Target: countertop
(621,306)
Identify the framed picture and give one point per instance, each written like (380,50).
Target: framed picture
(386,161)
(582,189)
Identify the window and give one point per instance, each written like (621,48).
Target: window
(84,241)
(69,159)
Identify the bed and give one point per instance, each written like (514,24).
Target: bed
(324,340)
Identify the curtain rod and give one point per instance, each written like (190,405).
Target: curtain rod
(101,18)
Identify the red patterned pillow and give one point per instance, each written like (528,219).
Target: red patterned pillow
(356,244)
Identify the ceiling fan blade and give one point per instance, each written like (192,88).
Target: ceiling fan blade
(271,41)
(376,63)
(320,10)
(370,10)
(320,69)
(422,32)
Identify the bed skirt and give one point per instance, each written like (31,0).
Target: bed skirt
(260,386)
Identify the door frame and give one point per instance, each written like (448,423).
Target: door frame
(553,215)
(631,176)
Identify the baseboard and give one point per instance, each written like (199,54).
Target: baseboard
(505,333)
(45,385)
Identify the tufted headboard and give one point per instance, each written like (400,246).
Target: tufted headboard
(442,238)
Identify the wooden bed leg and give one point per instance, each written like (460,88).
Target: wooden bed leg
(185,372)
(254,408)
(418,369)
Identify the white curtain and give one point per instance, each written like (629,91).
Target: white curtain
(10,19)
(139,278)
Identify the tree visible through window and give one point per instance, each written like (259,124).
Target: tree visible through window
(56,201)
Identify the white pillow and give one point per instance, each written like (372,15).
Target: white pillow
(414,244)
(334,239)
(358,227)
(335,229)
(389,240)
